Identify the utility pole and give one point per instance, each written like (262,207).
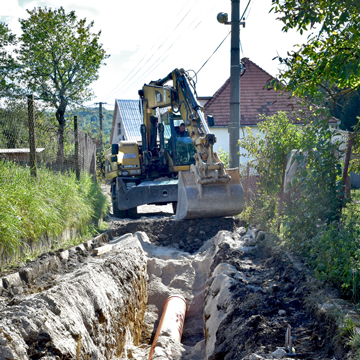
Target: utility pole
(101,120)
(235,69)
(234,125)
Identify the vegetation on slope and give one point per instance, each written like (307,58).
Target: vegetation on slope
(46,205)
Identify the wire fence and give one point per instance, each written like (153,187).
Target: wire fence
(29,133)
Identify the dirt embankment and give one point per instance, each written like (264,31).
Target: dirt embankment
(242,296)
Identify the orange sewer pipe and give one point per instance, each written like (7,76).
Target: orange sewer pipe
(172,319)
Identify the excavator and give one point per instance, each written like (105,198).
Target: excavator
(170,166)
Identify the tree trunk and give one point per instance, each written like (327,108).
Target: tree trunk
(60,116)
(345,182)
(281,195)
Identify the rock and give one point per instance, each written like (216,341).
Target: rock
(12,280)
(255,357)
(162,236)
(288,287)
(191,229)
(248,240)
(275,288)
(282,312)
(279,353)
(241,231)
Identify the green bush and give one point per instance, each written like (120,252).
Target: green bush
(224,157)
(46,205)
(335,253)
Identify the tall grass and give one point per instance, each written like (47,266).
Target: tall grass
(30,208)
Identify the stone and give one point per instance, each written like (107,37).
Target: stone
(255,357)
(191,229)
(282,312)
(64,256)
(241,231)
(12,280)
(249,240)
(279,353)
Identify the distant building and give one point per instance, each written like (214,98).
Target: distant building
(126,121)
(18,155)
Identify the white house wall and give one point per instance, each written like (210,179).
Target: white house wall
(117,137)
(222,142)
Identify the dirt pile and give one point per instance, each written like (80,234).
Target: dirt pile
(186,235)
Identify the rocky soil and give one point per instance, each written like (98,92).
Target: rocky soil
(242,294)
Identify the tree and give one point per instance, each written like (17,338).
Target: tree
(7,62)
(325,68)
(330,58)
(14,128)
(60,57)
(276,138)
(347,110)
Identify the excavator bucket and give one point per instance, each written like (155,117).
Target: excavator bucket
(213,199)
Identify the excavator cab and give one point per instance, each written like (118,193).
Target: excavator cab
(178,144)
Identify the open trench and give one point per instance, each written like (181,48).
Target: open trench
(241,298)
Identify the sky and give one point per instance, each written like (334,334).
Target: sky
(147,39)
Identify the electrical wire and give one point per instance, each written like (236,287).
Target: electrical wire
(128,86)
(214,52)
(146,72)
(178,24)
(243,15)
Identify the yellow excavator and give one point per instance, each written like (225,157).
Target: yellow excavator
(170,164)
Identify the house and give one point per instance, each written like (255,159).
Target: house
(126,121)
(255,99)
(19,155)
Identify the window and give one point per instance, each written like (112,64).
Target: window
(119,128)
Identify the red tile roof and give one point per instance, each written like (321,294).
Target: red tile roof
(255,99)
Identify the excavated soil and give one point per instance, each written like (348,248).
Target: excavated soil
(276,290)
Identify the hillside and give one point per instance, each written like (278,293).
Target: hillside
(89,121)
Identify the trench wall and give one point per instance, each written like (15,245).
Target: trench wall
(88,314)
(29,247)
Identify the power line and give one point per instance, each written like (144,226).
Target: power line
(214,52)
(151,68)
(112,91)
(242,16)
(128,86)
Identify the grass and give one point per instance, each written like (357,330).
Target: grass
(46,205)
(355,195)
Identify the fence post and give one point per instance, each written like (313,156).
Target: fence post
(76,135)
(32,138)
(247,183)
